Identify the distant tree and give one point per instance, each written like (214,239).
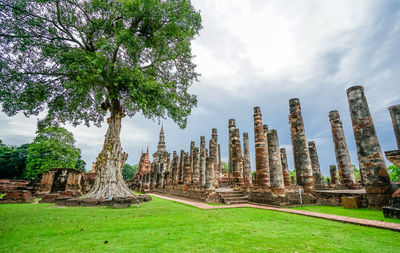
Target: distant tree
(226,168)
(394,173)
(80,60)
(129,171)
(356,172)
(293,173)
(53,147)
(12,161)
(80,164)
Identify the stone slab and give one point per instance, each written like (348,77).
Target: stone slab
(351,202)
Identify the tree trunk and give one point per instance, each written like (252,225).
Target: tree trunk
(109,182)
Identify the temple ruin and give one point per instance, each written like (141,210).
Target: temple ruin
(198,172)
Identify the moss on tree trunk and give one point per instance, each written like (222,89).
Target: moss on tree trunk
(109,181)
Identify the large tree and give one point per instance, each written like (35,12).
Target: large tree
(78,60)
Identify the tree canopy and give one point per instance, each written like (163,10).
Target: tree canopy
(128,171)
(53,147)
(72,58)
(12,161)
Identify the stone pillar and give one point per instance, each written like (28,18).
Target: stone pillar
(370,156)
(217,167)
(285,167)
(180,168)
(265,127)
(192,146)
(196,166)
(237,170)
(395,115)
(187,171)
(333,172)
(302,161)
(213,154)
(221,167)
(210,174)
(262,173)
(246,160)
(275,164)
(231,128)
(343,159)
(315,163)
(203,156)
(175,168)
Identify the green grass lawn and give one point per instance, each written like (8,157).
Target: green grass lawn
(165,226)
(362,213)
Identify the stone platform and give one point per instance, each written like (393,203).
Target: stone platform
(334,197)
(114,202)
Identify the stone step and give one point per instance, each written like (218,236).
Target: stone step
(231,202)
(228,194)
(235,198)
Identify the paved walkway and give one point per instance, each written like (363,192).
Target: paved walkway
(361,222)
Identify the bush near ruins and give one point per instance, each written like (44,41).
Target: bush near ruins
(53,147)
(12,161)
(128,171)
(394,173)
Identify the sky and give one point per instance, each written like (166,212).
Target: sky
(263,53)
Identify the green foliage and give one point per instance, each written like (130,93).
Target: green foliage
(293,174)
(226,168)
(12,161)
(394,173)
(129,171)
(73,58)
(356,173)
(80,164)
(53,147)
(162,226)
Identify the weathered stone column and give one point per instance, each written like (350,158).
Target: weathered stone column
(275,164)
(343,159)
(210,174)
(192,146)
(213,154)
(265,127)
(187,171)
(246,160)
(237,159)
(181,166)
(370,156)
(203,156)
(302,161)
(214,136)
(196,166)
(262,173)
(333,172)
(285,167)
(315,163)
(221,167)
(395,115)
(231,129)
(174,168)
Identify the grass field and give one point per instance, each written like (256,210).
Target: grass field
(362,213)
(165,226)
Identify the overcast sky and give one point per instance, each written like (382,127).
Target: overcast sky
(262,53)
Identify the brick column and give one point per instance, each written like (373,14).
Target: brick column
(315,163)
(285,167)
(262,173)
(370,156)
(343,159)
(275,164)
(302,161)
